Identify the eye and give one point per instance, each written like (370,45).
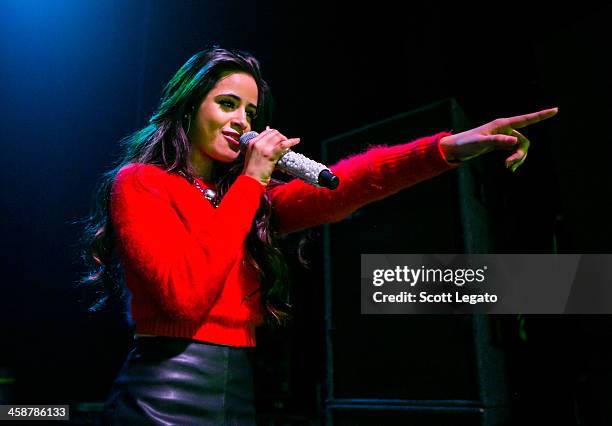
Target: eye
(251,115)
(226,103)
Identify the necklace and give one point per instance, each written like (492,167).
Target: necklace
(208,193)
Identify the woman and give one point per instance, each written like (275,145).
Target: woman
(190,223)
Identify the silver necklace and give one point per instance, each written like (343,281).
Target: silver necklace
(208,193)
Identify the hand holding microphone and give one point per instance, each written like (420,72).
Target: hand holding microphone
(270,149)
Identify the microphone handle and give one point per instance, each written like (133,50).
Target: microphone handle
(301,167)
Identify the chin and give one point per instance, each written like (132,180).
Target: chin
(226,157)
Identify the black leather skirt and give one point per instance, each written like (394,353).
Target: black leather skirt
(173,381)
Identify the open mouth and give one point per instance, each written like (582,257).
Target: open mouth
(233,138)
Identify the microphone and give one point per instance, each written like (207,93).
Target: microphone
(300,166)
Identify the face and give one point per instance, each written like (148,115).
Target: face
(224,115)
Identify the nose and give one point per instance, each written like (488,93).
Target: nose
(239,121)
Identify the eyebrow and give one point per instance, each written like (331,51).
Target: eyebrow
(231,95)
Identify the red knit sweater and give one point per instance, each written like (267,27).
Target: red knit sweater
(183,258)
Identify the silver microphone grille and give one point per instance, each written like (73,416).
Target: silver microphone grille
(244,139)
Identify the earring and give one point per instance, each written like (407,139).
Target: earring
(188,118)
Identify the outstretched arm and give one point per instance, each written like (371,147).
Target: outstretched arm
(364,178)
(383,171)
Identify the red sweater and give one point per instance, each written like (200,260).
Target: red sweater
(183,259)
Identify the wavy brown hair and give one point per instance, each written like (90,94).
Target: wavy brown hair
(163,142)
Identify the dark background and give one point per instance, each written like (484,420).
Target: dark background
(78,76)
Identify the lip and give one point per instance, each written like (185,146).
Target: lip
(232,141)
(233,137)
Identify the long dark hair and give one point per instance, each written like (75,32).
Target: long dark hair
(164,142)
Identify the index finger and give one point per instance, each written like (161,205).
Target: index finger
(521,121)
(265,133)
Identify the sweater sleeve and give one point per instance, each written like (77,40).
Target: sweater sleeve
(366,177)
(182,264)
